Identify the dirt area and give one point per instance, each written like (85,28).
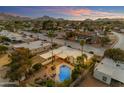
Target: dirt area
(90,81)
(45,72)
(4,59)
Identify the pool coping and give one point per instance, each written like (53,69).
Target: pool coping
(58,70)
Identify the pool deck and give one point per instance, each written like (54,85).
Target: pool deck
(47,72)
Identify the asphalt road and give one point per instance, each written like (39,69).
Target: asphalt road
(120,43)
(87,48)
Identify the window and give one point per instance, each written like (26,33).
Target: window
(104,78)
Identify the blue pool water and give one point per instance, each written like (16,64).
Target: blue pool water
(65,73)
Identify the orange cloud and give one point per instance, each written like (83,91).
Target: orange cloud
(88,12)
(79,12)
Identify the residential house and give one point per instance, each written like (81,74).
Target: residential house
(65,53)
(12,36)
(108,71)
(35,46)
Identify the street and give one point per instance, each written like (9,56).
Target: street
(87,48)
(120,43)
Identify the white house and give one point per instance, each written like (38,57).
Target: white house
(35,46)
(63,53)
(11,35)
(122,30)
(108,71)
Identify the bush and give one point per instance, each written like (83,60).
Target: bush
(65,83)
(45,82)
(75,74)
(50,83)
(3,38)
(37,66)
(3,48)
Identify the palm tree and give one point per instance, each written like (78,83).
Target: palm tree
(51,35)
(82,42)
(81,59)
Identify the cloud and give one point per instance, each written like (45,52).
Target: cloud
(67,12)
(78,12)
(91,13)
(71,12)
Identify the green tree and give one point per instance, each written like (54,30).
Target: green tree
(81,59)
(49,25)
(3,48)
(50,83)
(20,64)
(75,73)
(116,54)
(37,66)
(104,40)
(70,34)
(4,38)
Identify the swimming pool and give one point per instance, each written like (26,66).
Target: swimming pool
(65,73)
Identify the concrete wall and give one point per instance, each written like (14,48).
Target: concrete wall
(47,62)
(41,49)
(100,76)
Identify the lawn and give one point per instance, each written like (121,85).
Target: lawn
(4,59)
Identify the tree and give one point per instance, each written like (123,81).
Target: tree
(20,64)
(49,25)
(70,34)
(50,83)
(81,59)
(45,82)
(4,38)
(82,42)
(116,54)
(104,40)
(3,48)
(51,35)
(37,66)
(75,73)
(10,26)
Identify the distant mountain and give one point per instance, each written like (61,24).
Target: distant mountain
(108,19)
(60,19)
(45,18)
(7,16)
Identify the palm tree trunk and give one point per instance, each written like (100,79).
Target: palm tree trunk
(82,49)
(52,48)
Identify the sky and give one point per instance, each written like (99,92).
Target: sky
(66,12)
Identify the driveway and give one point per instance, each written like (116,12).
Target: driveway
(90,81)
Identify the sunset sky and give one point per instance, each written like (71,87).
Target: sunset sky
(66,12)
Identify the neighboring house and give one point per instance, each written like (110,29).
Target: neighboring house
(60,35)
(108,71)
(11,35)
(1,27)
(35,46)
(122,30)
(64,53)
(30,34)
